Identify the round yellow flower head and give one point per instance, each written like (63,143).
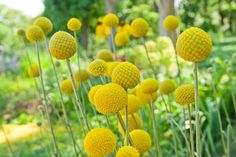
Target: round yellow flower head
(171,23)
(184,94)
(194,45)
(127,151)
(45,24)
(126,74)
(167,86)
(121,39)
(124,28)
(111,20)
(92,92)
(146,98)
(66,86)
(149,85)
(33,70)
(20,32)
(34,33)
(62,45)
(142,140)
(134,104)
(81,75)
(110,98)
(99,142)
(139,27)
(110,67)
(102,31)
(97,67)
(105,55)
(134,123)
(74,24)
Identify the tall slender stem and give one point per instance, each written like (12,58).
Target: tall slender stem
(76,95)
(126,122)
(191,131)
(155,133)
(56,149)
(197,117)
(113,47)
(7,141)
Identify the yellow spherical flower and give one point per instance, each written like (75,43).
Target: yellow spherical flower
(92,92)
(97,67)
(121,39)
(134,104)
(184,94)
(111,20)
(149,85)
(81,75)
(124,28)
(34,33)
(66,86)
(110,67)
(167,86)
(62,45)
(146,98)
(139,27)
(194,44)
(102,31)
(74,24)
(45,24)
(99,142)
(105,55)
(141,139)
(126,74)
(20,32)
(127,151)
(134,123)
(171,23)
(33,70)
(110,98)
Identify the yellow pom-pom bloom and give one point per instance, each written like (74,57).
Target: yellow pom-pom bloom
(124,28)
(134,123)
(20,32)
(127,151)
(126,74)
(99,142)
(142,140)
(184,94)
(34,33)
(74,24)
(134,104)
(97,67)
(102,31)
(92,92)
(110,98)
(167,86)
(194,45)
(171,23)
(81,75)
(111,20)
(62,45)
(110,67)
(121,39)
(66,86)
(45,24)
(139,27)
(149,85)
(33,70)
(105,55)
(146,98)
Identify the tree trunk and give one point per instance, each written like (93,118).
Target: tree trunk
(84,34)
(166,7)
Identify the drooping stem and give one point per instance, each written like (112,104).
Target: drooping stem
(56,149)
(191,131)
(197,117)
(7,141)
(76,95)
(149,60)
(155,133)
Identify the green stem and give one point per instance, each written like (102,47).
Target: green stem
(136,124)
(191,132)
(113,47)
(197,117)
(126,122)
(56,149)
